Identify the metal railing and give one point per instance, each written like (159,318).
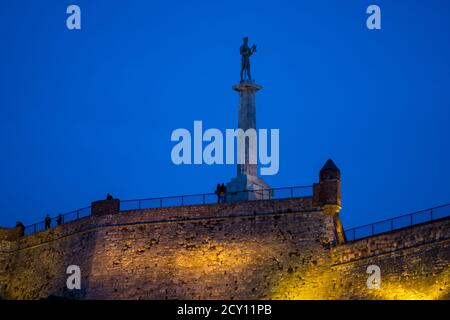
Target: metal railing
(182,200)
(212,198)
(399,222)
(352,234)
(55,221)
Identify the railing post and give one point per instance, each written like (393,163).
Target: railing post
(78,214)
(354,234)
(410,220)
(182,200)
(160,202)
(292,192)
(34,228)
(139,202)
(204,201)
(392,224)
(431,214)
(372,229)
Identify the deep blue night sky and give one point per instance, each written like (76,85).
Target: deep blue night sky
(88,112)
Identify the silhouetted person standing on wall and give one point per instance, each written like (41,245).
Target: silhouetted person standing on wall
(59,220)
(217,192)
(47,222)
(21,228)
(109,197)
(222,191)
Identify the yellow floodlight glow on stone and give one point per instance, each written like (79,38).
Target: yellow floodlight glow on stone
(215,257)
(418,290)
(310,284)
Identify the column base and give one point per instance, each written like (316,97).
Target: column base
(247,187)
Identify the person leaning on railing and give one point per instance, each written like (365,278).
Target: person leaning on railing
(47,222)
(217,192)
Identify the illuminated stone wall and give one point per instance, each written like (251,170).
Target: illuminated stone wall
(414,263)
(5,262)
(36,265)
(272,249)
(233,251)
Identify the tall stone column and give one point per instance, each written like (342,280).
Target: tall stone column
(247,185)
(247,120)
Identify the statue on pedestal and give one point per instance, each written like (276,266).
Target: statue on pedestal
(247,185)
(246,52)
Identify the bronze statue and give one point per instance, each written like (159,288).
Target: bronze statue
(246,52)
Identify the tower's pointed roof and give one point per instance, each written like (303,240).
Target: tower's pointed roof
(330,165)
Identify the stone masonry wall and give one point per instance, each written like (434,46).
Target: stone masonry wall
(414,264)
(5,262)
(232,251)
(271,249)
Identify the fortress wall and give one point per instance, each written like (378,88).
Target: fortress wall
(218,253)
(227,258)
(393,241)
(414,263)
(216,210)
(271,249)
(36,268)
(5,258)
(166,214)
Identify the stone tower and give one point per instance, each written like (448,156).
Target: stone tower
(327,195)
